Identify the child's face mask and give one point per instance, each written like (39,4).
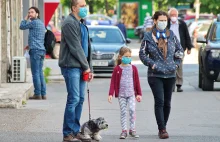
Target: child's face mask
(126,60)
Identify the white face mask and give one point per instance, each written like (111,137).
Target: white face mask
(173,19)
(162,25)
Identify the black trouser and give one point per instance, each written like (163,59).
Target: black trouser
(162,90)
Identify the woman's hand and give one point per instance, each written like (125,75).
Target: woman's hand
(153,67)
(138,98)
(110,99)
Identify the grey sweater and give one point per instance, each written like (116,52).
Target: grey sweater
(71,51)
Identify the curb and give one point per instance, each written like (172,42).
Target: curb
(13,95)
(55,78)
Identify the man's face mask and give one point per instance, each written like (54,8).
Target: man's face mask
(83,12)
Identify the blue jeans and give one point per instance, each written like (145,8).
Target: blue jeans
(76,92)
(37,61)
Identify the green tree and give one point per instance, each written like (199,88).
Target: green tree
(210,6)
(65,3)
(207,6)
(163,4)
(95,5)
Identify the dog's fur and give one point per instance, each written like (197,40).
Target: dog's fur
(91,129)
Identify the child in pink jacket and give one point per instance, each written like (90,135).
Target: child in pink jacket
(125,85)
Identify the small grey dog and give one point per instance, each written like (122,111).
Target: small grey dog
(91,128)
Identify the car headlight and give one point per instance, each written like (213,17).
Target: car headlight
(215,53)
(115,55)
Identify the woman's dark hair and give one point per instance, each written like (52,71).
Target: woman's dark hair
(36,10)
(159,13)
(156,16)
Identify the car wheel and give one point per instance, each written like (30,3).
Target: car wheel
(207,84)
(56,51)
(200,70)
(200,77)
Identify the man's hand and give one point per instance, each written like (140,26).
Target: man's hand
(88,70)
(188,51)
(91,76)
(26,47)
(27,17)
(110,99)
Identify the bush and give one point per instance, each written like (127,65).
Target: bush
(47,72)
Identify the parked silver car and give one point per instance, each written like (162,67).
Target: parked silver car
(106,42)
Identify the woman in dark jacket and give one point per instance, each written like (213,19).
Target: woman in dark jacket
(161,52)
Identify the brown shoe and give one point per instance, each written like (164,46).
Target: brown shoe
(44,97)
(163,134)
(35,97)
(81,137)
(70,138)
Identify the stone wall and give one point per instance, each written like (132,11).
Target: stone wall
(11,37)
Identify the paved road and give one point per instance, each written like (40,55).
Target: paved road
(194,117)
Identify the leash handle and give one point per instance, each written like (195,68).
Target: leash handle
(88,100)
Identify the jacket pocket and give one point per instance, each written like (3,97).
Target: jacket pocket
(163,68)
(159,68)
(171,68)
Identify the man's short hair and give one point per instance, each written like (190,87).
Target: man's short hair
(173,9)
(73,3)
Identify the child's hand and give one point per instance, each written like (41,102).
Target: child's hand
(110,99)
(138,98)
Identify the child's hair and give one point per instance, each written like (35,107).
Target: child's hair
(122,51)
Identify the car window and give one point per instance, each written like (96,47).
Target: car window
(216,33)
(105,36)
(204,27)
(105,18)
(209,31)
(92,18)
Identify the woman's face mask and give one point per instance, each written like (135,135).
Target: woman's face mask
(161,22)
(161,25)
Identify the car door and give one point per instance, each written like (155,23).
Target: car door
(206,45)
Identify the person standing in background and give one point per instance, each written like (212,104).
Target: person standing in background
(37,50)
(122,27)
(180,29)
(148,22)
